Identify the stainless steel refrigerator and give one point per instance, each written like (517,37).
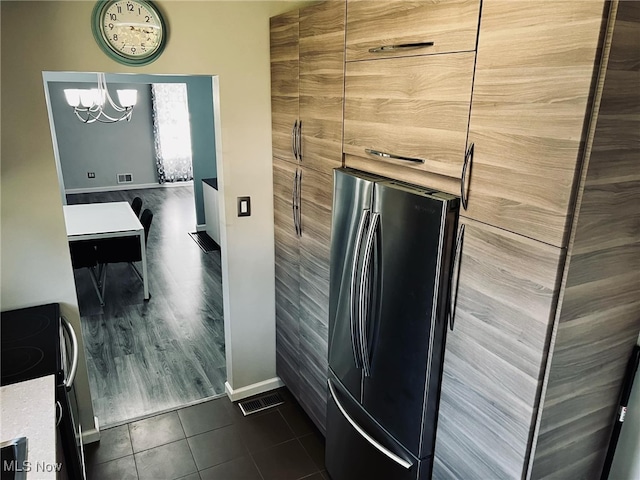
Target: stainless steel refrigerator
(391,250)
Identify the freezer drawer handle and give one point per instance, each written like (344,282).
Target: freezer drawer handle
(455,276)
(400,461)
(402,46)
(354,312)
(68,382)
(392,156)
(364,300)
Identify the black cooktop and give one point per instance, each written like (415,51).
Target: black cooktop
(30,343)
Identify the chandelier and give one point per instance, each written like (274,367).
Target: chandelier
(89,103)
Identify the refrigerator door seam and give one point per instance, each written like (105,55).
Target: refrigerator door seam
(400,461)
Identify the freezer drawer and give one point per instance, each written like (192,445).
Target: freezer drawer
(356,445)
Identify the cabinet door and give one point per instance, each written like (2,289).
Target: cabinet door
(416,108)
(531,92)
(495,356)
(407,28)
(316,205)
(284,83)
(287,275)
(322,84)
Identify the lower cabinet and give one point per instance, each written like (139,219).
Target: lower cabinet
(495,356)
(302,211)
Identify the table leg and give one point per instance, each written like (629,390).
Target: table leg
(145,279)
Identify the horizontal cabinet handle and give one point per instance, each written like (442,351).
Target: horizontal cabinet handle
(392,156)
(403,46)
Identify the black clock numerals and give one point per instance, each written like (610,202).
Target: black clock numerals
(129,7)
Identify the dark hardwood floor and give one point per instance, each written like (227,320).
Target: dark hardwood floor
(148,357)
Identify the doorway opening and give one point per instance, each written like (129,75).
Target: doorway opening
(147,357)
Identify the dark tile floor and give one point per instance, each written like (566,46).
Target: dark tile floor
(212,441)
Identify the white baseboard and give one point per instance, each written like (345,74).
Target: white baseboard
(92,435)
(254,389)
(140,186)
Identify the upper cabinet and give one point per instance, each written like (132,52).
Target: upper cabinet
(409,114)
(396,28)
(307,85)
(284,85)
(533,83)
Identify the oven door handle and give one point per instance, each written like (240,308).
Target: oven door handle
(71,376)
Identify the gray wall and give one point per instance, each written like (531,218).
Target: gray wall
(72,146)
(105,149)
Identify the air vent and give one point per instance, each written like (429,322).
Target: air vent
(125,178)
(261,403)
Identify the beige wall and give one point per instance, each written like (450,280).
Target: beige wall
(227,39)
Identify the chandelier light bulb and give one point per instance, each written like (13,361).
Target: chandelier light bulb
(89,104)
(127,98)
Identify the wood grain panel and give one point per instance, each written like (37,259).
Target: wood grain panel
(599,317)
(494,360)
(531,94)
(317,203)
(287,277)
(322,84)
(284,82)
(414,107)
(451,25)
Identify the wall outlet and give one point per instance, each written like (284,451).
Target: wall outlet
(91,174)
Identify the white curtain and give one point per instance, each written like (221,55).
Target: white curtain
(172,132)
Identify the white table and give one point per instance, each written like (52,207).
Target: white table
(90,221)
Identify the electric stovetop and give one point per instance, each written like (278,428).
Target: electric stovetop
(30,343)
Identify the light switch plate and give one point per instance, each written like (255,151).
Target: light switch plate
(244,206)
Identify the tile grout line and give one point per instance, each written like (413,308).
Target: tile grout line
(135,463)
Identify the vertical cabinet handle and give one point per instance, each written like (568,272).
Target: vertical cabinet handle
(466,170)
(353,290)
(294,140)
(455,277)
(364,300)
(300,140)
(299,203)
(294,201)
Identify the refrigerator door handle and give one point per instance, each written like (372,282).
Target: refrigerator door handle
(363,301)
(353,310)
(399,460)
(455,277)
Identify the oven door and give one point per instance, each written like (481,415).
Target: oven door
(69,429)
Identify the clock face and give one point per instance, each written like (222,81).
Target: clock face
(131,31)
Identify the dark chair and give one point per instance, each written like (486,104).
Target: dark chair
(136,206)
(85,255)
(123,249)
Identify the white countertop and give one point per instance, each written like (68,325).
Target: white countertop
(27,409)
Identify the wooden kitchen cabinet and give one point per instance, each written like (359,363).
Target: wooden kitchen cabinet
(306,148)
(495,356)
(302,282)
(534,366)
(398,28)
(409,114)
(287,261)
(307,85)
(284,33)
(532,95)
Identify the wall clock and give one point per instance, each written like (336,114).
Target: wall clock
(131,32)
